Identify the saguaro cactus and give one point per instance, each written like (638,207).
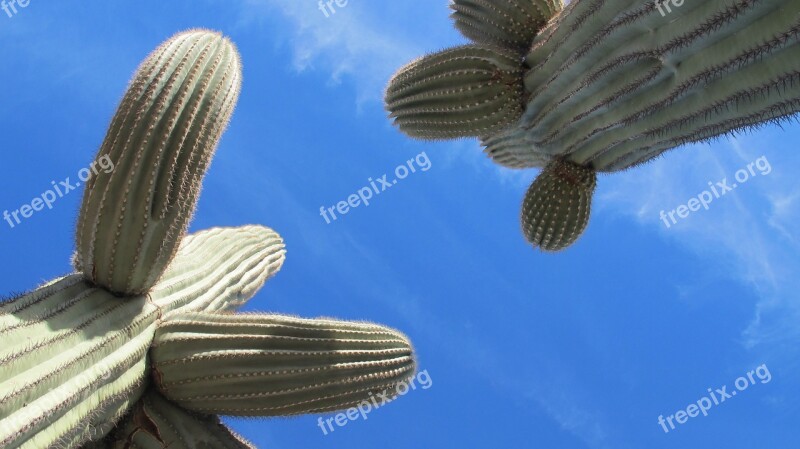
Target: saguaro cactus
(611,84)
(147,318)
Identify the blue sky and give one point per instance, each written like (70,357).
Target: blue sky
(579,350)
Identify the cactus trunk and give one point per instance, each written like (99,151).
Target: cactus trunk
(614,84)
(73,361)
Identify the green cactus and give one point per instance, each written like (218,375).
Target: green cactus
(612,84)
(504,23)
(473,90)
(96,358)
(169,122)
(156,423)
(557,206)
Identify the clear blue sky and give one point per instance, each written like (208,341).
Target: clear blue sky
(579,350)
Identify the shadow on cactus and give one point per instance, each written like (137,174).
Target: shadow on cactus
(599,86)
(140,348)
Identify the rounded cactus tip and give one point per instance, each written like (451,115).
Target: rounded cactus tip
(159,145)
(512,24)
(557,206)
(468,91)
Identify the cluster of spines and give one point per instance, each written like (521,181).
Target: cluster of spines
(558,204)
(161,140)
(272,365)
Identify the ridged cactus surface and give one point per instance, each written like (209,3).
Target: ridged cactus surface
(169,122)
(85,358)
(275,365)
(156,423)
(557,206)
(474,90)
(611,84)
(504,23)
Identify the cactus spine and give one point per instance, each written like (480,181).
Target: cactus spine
(77,351)
(611,84)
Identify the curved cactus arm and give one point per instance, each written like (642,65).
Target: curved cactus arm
(271,365)
(160,143)
(72,359)
(219,269)
(473,90)
(155,423)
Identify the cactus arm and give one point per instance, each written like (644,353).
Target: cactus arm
(509,24)
(162,139)
(473,90)
(219,269)
(557,206)
(271,365)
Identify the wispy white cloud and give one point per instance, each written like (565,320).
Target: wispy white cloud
(749,236)
(348,44)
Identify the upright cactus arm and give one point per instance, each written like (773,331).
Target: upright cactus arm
(272,365)
(156,423)
(161,141)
